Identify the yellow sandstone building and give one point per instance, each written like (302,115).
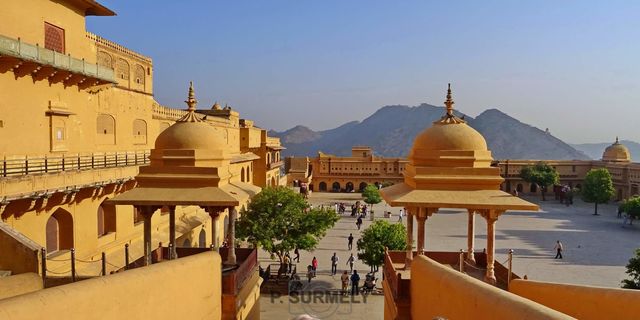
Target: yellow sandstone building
(77,121)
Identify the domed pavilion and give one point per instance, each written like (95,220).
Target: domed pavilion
(450,167)
(189,167)
(617,152)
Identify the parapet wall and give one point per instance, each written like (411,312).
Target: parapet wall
(19,284)
(186,288)
(582,302)
(439,291)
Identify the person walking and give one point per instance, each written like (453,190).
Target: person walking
(400,215)
(558,249)
(334,264)
(350,238)
(345,282)
(359,222)
(297,257)
(287,263)
(350,261)
(310,273)
(355,281)
(314,265)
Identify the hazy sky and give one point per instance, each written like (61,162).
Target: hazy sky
(570,66)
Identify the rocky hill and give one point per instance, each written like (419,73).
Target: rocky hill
(391,130)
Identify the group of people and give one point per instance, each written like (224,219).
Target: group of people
(357,209)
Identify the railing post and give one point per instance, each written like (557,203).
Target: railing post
(105,160)
(4,166)
(26,164)
(78,161)
(126,158)
(136,157)
(92,160)
(73,264)
(510,267)
(170,251)
(43,262)
(62,162)
(461,262)
(116,159)
(126,256)
(104,263)
(46,164)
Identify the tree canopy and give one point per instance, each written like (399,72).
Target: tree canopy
(541,174)
(376,237)
(632,207)
(633,270)
(371,195)
(597,187)
(280,220)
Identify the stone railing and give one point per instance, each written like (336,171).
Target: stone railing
(162,112)
(112,45)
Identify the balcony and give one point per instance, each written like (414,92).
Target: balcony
(276,164)
(28,59)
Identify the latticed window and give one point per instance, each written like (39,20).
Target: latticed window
(122,69)
(104,59)
(139,74)
(53,38)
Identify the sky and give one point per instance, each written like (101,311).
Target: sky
(572,66)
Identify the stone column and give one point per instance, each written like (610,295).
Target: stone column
(422,219)
(172,232)
(214,212)
(471,235)
(409,258)
(147,213)
(491,216)
(231,240)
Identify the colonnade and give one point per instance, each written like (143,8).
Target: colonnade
(422,214)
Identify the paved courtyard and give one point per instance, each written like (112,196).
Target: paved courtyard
(596,249)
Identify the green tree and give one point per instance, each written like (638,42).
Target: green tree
(633,270)
(371,195)
(542,174)
(597,187)
(632,207)
(280,220)
(376,237)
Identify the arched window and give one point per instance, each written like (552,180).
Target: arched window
(59,231)
(122,69)
(186,243)
(202,239)
(335,186)
(322,186)
(362,186)
(106,219)
(138,74)
(242,175)
(105,60)
(273,181)
(349,186)
(139,131)
(268,157)
(519,187)
(106,129)
(248,174)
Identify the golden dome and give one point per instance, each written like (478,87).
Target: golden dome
(617,152)
(450,133)
(189,132)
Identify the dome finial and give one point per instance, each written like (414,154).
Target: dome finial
(191,111)
(449,102)
(191,99)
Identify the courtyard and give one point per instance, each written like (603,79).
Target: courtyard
(596,250)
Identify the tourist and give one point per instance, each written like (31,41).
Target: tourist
(335,207)
(350,238)
(400,215)
(297,257)
(558,249)
(620,210)
(359,222)
(355,281)
(334,264)
(345,282)
(314,264)
(310,273)
(286,261)
(350,261)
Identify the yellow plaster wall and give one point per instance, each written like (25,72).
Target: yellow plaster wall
(19,284)
(187,288)
(30,26)
(582,302)
(439,291)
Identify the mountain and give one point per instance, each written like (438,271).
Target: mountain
(595,150)
(390,132)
